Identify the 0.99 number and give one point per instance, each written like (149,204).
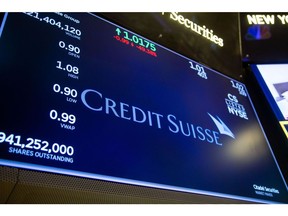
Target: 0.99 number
(63,117)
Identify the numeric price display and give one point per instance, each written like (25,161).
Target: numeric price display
(135,41)
(58,42)
(65,90)
(70,47)
(63,117)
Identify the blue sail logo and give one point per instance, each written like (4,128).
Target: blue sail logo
(222,127)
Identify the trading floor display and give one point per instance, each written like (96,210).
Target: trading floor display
(82,96)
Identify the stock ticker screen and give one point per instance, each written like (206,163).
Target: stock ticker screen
(273,81)
(82,96)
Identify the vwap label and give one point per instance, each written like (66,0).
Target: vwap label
(94,100)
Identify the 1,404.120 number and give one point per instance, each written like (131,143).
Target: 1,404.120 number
(54,22)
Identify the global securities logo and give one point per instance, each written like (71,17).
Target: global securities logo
(96,102)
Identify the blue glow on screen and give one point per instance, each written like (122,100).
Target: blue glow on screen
(129,122)
(273,79)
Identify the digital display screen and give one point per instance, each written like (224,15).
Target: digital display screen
(82,96)
(210,38)
(273,80)
(261,32)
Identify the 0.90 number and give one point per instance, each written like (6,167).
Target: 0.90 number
(65,90)
(69,47)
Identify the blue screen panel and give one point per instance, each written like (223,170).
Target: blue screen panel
(82,96)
